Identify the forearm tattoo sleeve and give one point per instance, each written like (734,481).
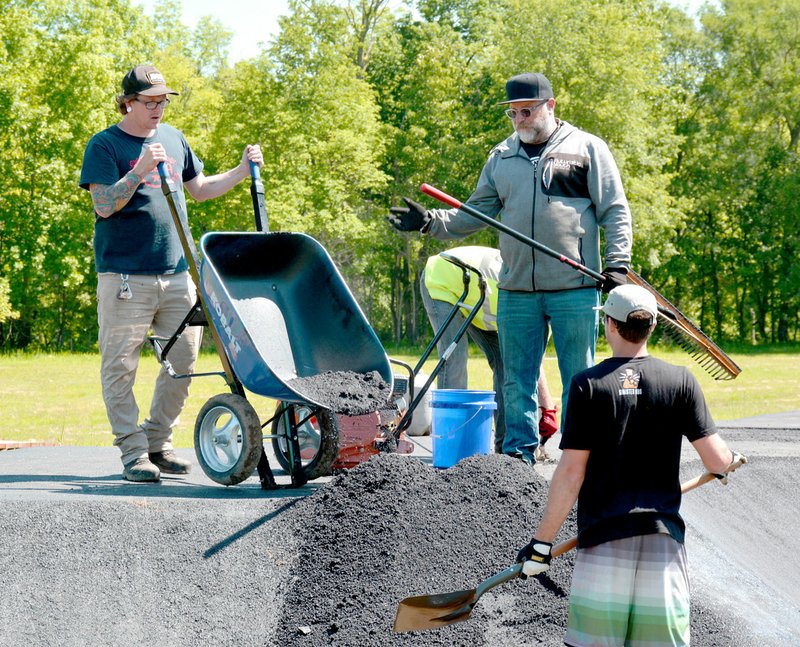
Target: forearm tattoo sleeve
(111,198)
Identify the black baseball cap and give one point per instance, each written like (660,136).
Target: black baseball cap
(145,80)
(528,87)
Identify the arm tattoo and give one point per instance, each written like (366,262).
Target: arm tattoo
(109,199)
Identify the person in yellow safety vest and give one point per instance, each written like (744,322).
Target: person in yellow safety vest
(441,286)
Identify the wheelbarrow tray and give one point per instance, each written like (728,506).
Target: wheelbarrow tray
(284,311)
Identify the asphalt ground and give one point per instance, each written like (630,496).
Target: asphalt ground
(87,558)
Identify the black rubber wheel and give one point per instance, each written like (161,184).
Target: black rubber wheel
(228,439)
(318,436)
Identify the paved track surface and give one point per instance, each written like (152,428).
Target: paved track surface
(89,559)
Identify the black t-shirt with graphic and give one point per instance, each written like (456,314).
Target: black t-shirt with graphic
(632,414)
(141,237)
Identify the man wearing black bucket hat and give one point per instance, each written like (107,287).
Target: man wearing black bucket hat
(142,281)
(560,186)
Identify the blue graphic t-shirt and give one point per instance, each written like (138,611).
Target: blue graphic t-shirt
(140,238)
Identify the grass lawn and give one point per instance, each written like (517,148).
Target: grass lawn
(56,398)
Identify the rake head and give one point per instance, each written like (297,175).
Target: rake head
(688,336)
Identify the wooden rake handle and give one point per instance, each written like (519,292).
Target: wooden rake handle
(687,486)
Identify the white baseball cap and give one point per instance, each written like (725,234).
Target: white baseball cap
(626,299)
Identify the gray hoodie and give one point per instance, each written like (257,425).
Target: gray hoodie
(560,200)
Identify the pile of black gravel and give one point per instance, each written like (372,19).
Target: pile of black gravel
(184,563)
(393,528)
(345,392)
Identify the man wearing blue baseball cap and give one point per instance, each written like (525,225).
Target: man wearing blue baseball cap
(560,186)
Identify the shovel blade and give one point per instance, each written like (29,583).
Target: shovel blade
(433,611)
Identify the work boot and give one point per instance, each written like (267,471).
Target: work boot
(169,463)
(141,471)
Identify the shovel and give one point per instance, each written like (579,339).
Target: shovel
(434,611)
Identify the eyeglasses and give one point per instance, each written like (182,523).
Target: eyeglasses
(152,105)
(512,113)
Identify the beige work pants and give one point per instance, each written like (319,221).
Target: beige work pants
(158,303)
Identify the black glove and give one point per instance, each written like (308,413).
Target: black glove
(411,218)
(535,558)
(613,277)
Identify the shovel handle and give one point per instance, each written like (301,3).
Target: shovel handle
(503,576)
(564,547)
(255,170)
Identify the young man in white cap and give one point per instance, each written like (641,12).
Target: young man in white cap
(621,443)
(560,186)
(142,277)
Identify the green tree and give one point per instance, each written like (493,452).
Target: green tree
(304,100)
(358,102)
(59,60)
(60,66)
(741,239)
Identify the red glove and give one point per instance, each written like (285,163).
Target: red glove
(548,425)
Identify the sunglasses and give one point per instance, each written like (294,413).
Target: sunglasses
(512,113)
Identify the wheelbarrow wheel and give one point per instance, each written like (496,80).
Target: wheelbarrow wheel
(228,438)
(318,437)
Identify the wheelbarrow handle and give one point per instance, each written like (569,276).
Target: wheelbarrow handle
(257,194)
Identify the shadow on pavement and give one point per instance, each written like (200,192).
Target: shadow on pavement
(168,487)
(216,548)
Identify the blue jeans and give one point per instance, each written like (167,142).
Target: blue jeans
(522,321)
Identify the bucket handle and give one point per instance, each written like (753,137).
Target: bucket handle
(463,405)
(466,422)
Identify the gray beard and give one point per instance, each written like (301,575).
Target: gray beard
(535,133)
(528,135)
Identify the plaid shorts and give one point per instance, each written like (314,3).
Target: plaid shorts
(632,592)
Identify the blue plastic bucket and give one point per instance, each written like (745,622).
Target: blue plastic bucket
(461,424)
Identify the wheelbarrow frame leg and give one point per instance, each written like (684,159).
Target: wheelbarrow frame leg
(405,421)
(296,471)
(265,474)
(162,346)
